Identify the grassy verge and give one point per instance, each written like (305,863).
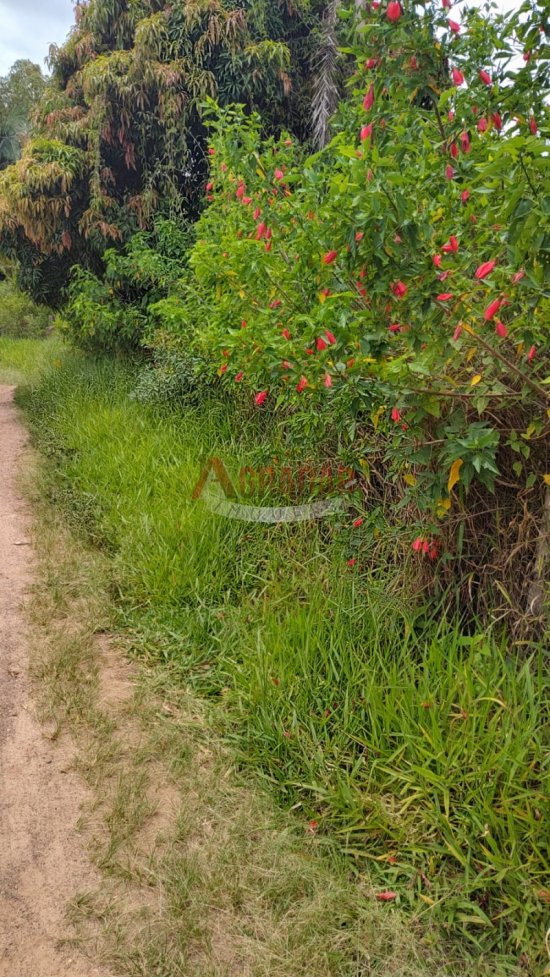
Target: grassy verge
(22,360)
(414,750)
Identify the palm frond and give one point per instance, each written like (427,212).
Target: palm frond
(325,88)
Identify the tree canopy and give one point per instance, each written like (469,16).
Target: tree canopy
(120,134)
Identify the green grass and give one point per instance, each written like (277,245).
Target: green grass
(417,749)
(24,359)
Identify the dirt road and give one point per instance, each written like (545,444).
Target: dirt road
(42,863)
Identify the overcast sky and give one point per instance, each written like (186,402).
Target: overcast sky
(28,27)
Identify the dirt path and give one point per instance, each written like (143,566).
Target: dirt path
(42,863)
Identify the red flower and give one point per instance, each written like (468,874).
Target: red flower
(357,523)
(531,354)
(211,151)
(399,289)
(328,380)
(501,329)
(457,76)
(302,384)
(394,11)
(223,368)
(465,142)
(386,896)
(457,333)
(526,56)
(485,269)
(497,121)
(268,245)
(239,376)
(482,125)
(454,26)
(444,297)
(366,133)
(240,190)
(351,563)
(210,187)
(368,100)
(321,345)
(433,552)
(449,173)
(437,260)
(464,196)
(261,397)
(275,304)
(454,150)
(395,327)
(396,415)
(492,309)
(359,236)
(286,333)
(417,545)
(247,201)
(331,337)
(243,323)
(518,276)
(371,63)
(485,77)
(533,125)
(260,231)
(279,175)
(312,826)
(451,115)
(257,213)
(452,245)
(329,257)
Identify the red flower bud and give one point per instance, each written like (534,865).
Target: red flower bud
(239,376)
(501,329)
(449,173)
(366,133)
(444,297)
(492,310)
(399,289)
(321,345)
(368,100)
(329,257)
(394,11)
(454,26)
(457,76)
(331,337)
(328,380)
(485,77)
(485,269)
(464,196)
(386,896)
(531,354)
(261,398)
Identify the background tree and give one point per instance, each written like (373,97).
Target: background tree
(20,92)
(120,134)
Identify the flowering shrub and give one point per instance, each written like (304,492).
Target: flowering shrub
(394,287)
(391,291)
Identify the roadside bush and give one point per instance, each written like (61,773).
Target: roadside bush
(20,317)
(389,295)
(110,313)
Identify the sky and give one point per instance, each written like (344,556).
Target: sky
(28,27)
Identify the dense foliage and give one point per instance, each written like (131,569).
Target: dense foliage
(124,108)
(390,294)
